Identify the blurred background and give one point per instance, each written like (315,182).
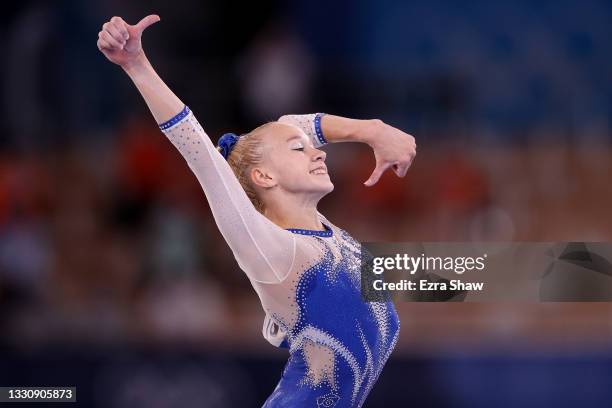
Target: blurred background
(114,278)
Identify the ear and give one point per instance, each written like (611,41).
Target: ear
(263,178)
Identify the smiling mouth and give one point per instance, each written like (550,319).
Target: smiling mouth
(319,171)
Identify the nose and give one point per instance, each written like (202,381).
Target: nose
(318,155)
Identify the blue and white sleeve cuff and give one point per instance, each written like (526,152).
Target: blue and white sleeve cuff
(176,119)
(318,129)
(310,124)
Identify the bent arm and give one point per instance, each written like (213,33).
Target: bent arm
(323,128)
(263,250)
(392,148)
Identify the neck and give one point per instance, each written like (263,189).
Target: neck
(294,213)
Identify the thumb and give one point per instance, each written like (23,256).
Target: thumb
(147,21)
(378,171)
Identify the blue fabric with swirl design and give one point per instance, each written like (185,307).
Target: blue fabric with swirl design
(361,334)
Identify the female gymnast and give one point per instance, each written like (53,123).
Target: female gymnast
(263,188)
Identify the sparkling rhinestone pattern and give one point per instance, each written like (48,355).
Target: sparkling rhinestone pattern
(342,341)
(310,124)
(327,233)
(176,119)
(318,129)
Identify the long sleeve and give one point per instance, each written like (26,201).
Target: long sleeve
(263,250)
(310,124)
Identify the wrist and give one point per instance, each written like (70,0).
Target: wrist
(138,65)
(338,129)
(366,131)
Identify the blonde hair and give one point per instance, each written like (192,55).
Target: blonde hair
(246,153)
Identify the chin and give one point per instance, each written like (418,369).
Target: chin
(322,188)
(319,188)
(327,188)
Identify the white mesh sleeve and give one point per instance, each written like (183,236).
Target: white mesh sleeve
(264,251)
(310,124)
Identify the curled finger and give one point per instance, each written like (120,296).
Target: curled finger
(402,170)
(105,35)
(121,27)
(102,44)
(114,32)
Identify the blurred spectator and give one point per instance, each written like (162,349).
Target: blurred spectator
(276,73)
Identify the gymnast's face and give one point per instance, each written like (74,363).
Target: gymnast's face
(291,163)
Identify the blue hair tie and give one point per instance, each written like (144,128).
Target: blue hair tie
(226,143)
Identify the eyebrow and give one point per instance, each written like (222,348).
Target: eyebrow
(294,137)
(301,138)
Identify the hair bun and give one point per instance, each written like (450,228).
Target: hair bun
(226,144)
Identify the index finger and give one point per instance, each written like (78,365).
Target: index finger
(118,21)
(402,169)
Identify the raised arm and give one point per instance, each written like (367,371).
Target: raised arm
(263,250)
(392,148)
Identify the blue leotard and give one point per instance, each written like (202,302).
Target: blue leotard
(361,335)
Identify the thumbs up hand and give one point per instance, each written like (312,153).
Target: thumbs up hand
(121,42)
